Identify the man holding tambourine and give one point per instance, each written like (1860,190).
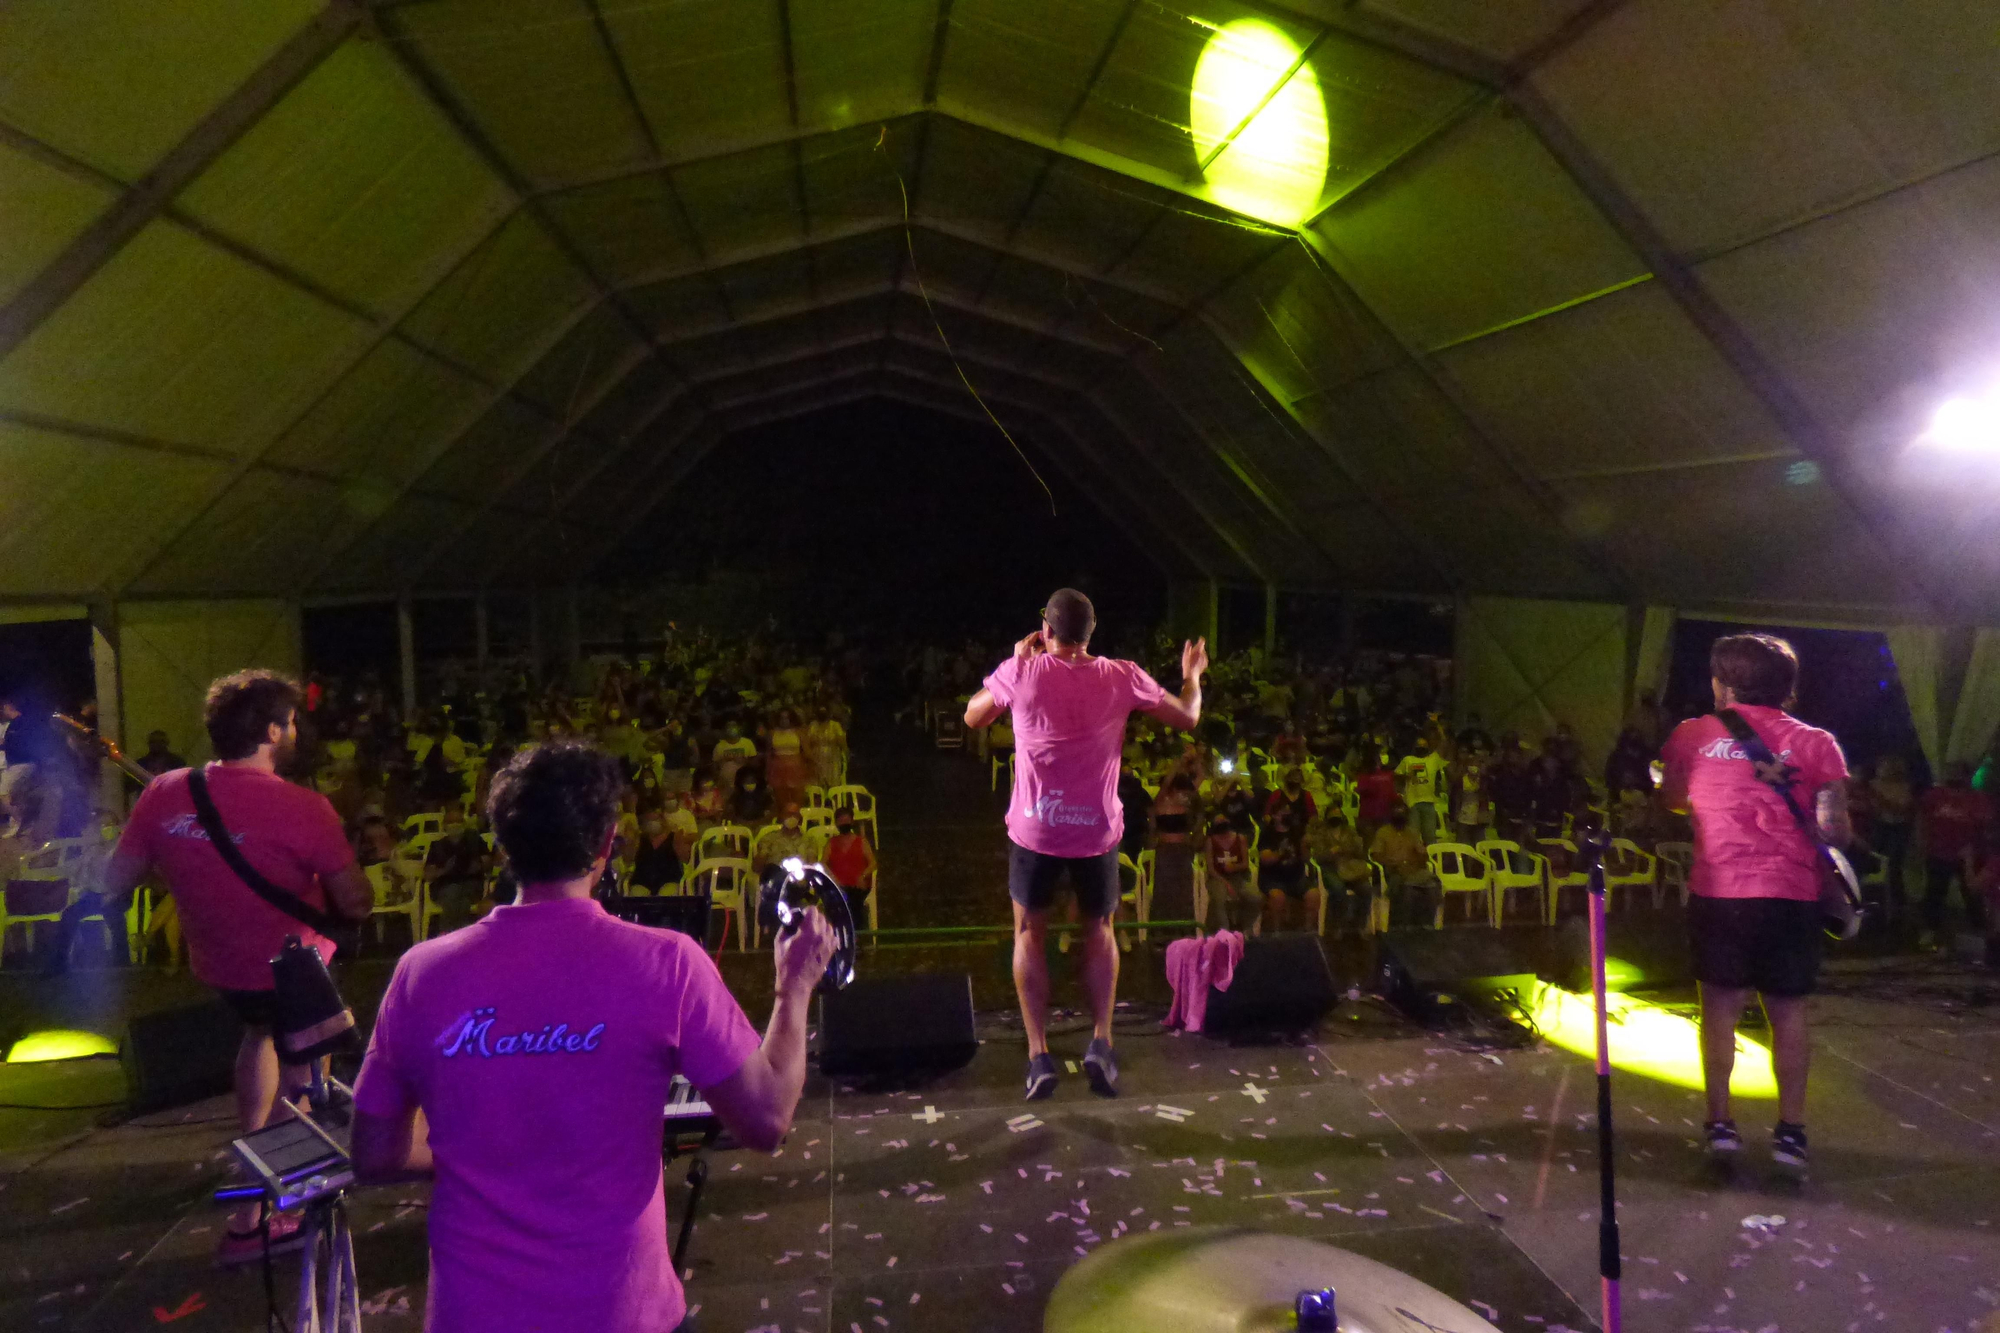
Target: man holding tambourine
(1769,803)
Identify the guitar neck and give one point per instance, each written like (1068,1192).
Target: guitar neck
(131,770)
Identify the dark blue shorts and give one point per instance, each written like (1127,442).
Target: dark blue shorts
(1033,879)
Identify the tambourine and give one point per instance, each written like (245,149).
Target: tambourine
(788,888)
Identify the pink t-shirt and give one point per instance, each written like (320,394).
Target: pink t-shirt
(540,1043)
(287,833)
(1747,845)
(1069,726)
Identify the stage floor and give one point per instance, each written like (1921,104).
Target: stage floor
(941,1208)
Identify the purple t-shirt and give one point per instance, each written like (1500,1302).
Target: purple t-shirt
(1069,727)
(540,1044)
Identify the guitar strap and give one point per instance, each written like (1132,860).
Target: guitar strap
(290,904)
(1777,776)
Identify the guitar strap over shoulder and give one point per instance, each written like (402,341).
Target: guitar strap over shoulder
(210,818)
(1773,774)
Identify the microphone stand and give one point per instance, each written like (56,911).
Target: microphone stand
(1593,844)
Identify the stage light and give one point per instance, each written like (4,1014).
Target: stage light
(1965,425)
(1228,766)
(1250,82)
(1647,1040)
(59,1044)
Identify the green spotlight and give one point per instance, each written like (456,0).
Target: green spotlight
(1646,1039)
(1275,166)
(59,1044)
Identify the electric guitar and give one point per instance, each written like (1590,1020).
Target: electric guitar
(103,745)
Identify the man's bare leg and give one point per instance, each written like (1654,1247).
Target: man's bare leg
(1100,973)
(264,1092)
(1791,1054)
(1721,1009)
(1031,975)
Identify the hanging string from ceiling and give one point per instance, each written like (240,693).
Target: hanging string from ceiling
(909,243)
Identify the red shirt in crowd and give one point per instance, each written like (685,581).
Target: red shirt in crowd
(1376,795)
(540,1043)
(287,833)
(847,859)
(1746,842)
(1954,820)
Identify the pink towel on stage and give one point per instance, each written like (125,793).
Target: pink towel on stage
(1195,965)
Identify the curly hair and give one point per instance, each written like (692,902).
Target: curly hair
(1761,668)
(552,808)
(240,710)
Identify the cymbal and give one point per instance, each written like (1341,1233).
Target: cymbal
(1229,1280)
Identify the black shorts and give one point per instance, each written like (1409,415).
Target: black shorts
(1769,945)
(257,1008)
(1032,878)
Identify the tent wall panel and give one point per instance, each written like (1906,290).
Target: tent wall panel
(354,181)
(508,61)
(1622,382)
(1480,228)
(627,227)
(41,211)
(171,650)
(510,293)
(118,82)
(1526,665)
(1298,331)
(374,422)
(1501,31)
(76,513)
(707,72)
(177,340)
(1027,60)
(1727,122)
(237,546)
(860,62)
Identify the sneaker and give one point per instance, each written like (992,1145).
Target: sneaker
(1041,1076)
(1788,1144)
(1101,1067)
(247,1247)
(1722,1137)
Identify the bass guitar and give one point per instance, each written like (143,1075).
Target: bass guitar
(103,745)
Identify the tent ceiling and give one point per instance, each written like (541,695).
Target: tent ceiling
(1615,300)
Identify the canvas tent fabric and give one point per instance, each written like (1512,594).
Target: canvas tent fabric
(1622,302)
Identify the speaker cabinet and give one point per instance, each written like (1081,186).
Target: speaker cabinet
(1282,984)
(180,1056)
(897,1026)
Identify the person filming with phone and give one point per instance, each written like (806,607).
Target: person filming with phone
(525,1063)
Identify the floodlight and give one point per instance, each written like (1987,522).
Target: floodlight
(59,1044)
(1965,425)
(1259,123)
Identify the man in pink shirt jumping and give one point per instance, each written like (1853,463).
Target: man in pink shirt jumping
(1753,917)
(1064,818)
(525,1062)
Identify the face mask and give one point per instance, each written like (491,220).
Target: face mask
(653,827)
(791,826)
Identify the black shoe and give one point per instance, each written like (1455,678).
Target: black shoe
(1102,1068)
(1723,1140)
(1788,1144)
(1041,1076)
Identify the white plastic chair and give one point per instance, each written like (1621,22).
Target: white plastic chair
(1001,759)
(1141,893)
(1645,873)
(1514,867)
(380,880)
(1676,866)
(862,802)
(1461,869)
(430,821)
(45,866)
(1573,878)
(722,841)
(724,879)
(816,817)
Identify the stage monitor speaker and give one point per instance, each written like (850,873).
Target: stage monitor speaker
(1432,974)
(897,1026)
(180,1056)
(1643,951)
(685,912)
(1282,984)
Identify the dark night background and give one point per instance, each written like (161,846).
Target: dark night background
(885,514)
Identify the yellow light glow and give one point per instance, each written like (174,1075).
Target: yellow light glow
(59,1044)
(1646,1039)
(1275,167)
